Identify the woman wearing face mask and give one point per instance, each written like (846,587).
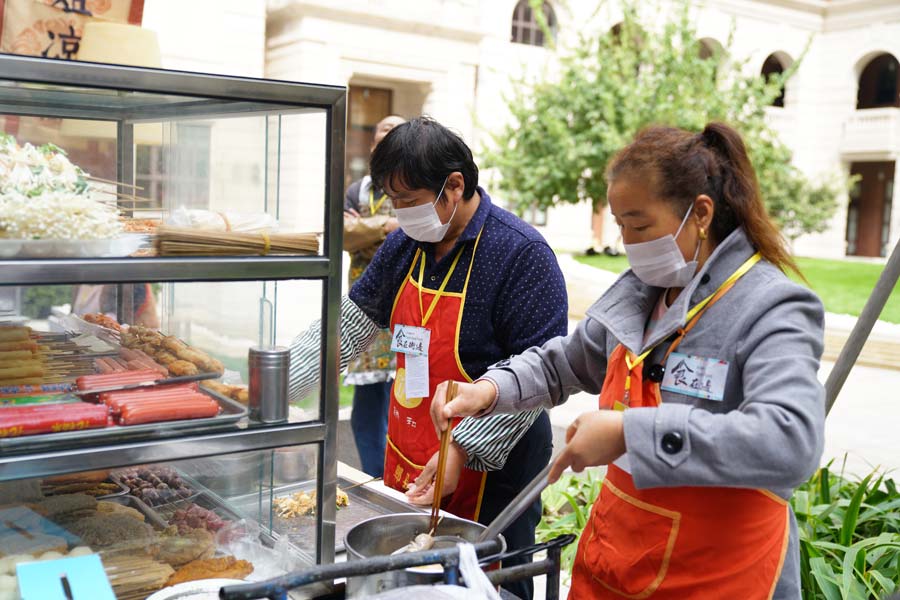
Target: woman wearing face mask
(705,356)
(462,285)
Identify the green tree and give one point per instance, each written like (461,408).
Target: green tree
(649,70)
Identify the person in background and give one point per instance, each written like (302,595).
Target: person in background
(369,218)
(462,284)
(705,357)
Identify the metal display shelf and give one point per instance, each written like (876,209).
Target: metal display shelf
(129,95)
(132,270)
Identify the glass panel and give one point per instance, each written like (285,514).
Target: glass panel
(239,185)
(287,507)
(186,510)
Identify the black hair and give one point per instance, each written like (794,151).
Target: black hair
(420,154)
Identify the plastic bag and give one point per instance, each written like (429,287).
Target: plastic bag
(226,220)
(241,539)
(479,587)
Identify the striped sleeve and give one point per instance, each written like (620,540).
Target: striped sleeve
(489,440)
(357,332)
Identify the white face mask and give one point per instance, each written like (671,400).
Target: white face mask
(422,223)
(660,263)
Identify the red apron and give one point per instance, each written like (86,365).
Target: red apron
(676,543)
(411,440)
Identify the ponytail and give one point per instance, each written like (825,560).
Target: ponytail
(739,202)
(680,166)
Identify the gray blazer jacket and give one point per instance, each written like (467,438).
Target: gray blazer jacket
(768,429)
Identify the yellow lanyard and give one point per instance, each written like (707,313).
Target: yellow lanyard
(440,292)
(373,208)
(693,314)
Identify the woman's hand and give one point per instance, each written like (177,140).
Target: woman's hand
(595,438)
(422,489)
(471,399)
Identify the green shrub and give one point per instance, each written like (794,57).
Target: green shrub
(849,530)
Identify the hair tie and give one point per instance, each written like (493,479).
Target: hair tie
(267,243)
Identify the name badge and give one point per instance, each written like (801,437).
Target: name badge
(412,341)
(695,376)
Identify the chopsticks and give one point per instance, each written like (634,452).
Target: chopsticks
(442,463)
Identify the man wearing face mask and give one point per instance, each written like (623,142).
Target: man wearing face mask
(462,284)
(705,357)
(368,219)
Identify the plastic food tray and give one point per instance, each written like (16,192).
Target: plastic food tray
(123,245)
(123,490)
(231,412)
(151,516)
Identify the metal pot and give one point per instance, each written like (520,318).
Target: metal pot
(381,535)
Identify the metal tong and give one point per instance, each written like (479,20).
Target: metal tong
(518,505)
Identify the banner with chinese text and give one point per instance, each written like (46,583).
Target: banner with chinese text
(53,28)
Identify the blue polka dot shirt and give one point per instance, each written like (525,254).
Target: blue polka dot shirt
(516,296)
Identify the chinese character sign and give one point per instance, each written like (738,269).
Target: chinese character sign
(53,28)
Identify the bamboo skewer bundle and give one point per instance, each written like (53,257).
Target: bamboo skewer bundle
(175,241)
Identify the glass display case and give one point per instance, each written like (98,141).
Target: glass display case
(226,203)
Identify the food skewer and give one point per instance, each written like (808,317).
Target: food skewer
(119,183)
(442,463)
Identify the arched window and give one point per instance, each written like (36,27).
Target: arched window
(774,65)
(879,83)
(709,48)
(525,28)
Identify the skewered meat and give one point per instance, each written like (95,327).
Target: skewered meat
(102,320)
(196,517)
(155,485)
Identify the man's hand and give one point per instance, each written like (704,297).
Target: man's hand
(390,225)
(471,399)
(595,438)
(351,212)
(422,489)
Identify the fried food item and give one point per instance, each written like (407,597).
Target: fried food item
(173,344)
(105,530)
(15,334)
(182,367)
(235,392)
(22,491)
(226,567)
(304,503)
(88,487)
(106,507)
(179,549)
(19,345)
(83,477)
(141,225)
(102,320)
(66,507)
(164,358)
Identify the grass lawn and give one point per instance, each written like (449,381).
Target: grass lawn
(843,285)
(346,396)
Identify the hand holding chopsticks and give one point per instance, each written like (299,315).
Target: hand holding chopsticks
(442,464)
